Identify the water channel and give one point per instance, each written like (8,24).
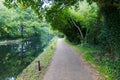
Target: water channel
(15,57)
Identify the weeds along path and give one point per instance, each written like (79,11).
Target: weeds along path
(67,65)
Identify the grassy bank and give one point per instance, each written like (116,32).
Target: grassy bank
(101,63)
(32,72)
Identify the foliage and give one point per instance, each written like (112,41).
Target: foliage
(68,18)
(98,23)
(14,58)
(105,30)
(60,20)
(87,16)
(34,4)
(10,23)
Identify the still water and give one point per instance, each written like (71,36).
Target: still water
(15,57)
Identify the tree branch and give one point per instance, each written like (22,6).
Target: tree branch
(80,32)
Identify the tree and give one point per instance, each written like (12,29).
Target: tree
(60,20)
(109,10)
(111,13)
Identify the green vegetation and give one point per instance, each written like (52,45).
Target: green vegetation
(21,23)
(86,22)
(23,37)
(30,73)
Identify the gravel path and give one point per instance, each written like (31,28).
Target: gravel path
(67,65)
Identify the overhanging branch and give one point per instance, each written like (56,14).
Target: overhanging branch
(80,32)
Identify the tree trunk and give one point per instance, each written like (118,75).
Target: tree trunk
(80,31)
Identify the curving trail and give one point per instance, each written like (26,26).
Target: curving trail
(67,65)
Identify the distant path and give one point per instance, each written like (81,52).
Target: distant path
(67,65)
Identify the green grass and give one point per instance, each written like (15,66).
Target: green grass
(89,54)
(30,73)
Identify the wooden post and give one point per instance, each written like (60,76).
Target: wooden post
(37,66)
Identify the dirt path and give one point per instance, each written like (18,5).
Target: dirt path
(67,65)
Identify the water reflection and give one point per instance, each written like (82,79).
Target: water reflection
(15,57)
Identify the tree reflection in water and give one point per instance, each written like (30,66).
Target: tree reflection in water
(15,57)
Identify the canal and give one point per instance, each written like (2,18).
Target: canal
(15,57)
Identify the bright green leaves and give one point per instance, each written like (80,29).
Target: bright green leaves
(36,5)
(65,19)
(86,14)
(11,18)
(60,19)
